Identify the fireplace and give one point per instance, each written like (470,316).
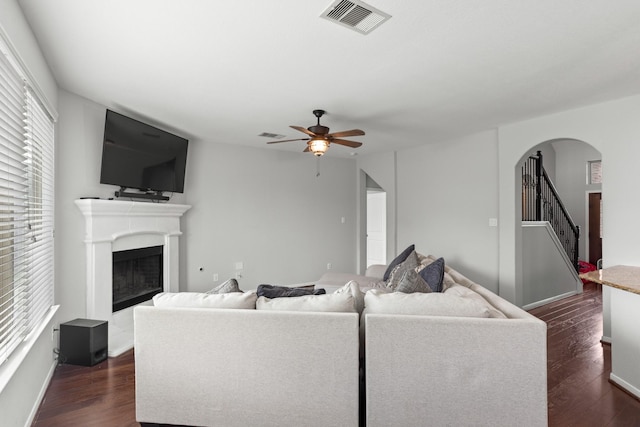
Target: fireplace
(114,226)
(137,276)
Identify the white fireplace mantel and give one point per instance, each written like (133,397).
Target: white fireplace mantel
(115,225)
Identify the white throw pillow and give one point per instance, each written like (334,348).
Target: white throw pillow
(246,300)
(432,304)
(341,302)
(353,288)
(228,286)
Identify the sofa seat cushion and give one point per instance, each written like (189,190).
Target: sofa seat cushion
(239,300)
(335,302)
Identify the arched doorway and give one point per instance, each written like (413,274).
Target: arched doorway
(546,275)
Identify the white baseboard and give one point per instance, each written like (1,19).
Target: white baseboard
(41,393)
(549,300)
(629,388)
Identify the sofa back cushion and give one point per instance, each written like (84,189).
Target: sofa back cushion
(464,292)
(335,302)
(430,304)
(246,300)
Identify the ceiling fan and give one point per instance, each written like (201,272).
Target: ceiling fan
(319,137)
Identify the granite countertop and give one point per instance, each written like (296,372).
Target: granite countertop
(623,277)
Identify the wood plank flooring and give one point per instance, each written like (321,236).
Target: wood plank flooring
(579,391)
(578,371)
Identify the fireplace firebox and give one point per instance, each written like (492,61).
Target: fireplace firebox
(137,276)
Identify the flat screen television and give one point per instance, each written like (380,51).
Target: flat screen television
(140,156)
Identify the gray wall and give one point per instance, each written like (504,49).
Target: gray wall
(548,272)
(446,193)
(611,128)
(265,208)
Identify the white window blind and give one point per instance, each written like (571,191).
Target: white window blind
(26,209)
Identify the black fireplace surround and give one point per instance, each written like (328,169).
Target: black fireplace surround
(137,276)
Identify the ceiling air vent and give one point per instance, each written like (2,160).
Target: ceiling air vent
(356,15)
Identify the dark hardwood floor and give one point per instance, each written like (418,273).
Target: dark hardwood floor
(579,365)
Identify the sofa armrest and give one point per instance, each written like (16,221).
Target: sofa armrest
(216,367)
(455,371)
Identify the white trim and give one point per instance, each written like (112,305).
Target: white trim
(114,225)
(549,300)
(41,393)
(13,363)
(629,388)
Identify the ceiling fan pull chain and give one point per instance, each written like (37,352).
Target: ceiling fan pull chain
(317,166)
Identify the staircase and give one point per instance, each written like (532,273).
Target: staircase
(540,202)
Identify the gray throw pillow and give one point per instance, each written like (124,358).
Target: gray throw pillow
(227,287)
(399,259)
(411,263)
(433,274)
(411,282)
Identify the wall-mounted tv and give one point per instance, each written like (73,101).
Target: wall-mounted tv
(140,156)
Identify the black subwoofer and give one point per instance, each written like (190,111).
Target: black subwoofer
(84,342)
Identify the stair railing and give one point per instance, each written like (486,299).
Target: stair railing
(541,202)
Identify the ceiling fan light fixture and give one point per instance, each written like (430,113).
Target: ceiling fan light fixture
(318,146)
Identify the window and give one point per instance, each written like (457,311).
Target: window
(26,207)
(595,172)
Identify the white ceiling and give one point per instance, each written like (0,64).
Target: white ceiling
(225,72)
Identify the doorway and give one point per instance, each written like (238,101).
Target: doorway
(376,226)
(595,227)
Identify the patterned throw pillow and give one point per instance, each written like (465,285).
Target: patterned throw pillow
(411,263)
(411,282)
(433,274)
(227,287)
(398,260)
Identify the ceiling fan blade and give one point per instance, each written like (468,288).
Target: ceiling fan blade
(352,144)
(306,150)
(352,132)
(303,130)
(288,140)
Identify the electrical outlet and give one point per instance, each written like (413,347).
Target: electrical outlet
(328,266)
(239,265)
(215,277)
(238,275)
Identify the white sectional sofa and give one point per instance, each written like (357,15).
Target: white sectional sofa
(229,367)
(457,371)
(470,359)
